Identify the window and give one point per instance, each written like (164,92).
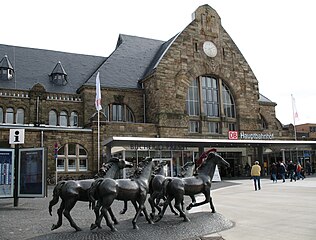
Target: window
(63,119)
(213,127)
(52,119)
(193,126)
(210,96)
(193,101)
(210,99)
(72,157)
(19,117)
(9,115)
(228,102)
(73,119)
(120,113)
(1,115)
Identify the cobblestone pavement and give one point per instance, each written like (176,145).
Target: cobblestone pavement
(31,220)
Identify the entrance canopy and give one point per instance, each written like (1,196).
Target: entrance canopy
(178,143)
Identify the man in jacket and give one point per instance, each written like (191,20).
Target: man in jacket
(255,174)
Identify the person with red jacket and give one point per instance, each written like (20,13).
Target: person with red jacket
(203,156)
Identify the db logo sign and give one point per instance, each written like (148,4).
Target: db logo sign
(233,135)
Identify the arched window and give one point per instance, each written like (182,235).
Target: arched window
(52,119)
(120,113)
(1,115)
(9,116)
(73,119)
(228,102)
(210,101)
(63,119)
(72,157)
(19,117)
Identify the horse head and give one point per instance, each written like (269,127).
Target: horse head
(144,169)
(209,164)
(124,164)
(187,169)
(159,169)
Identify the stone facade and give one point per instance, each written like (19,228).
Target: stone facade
(158,105)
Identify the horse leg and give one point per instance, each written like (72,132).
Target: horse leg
(178,201)
(152,205)
(212,205)
(68,206)
(60,216)
(141,207)
(104,212)
(112,216)
(97,214)
(165,205)
(172,210)
(124,208)
(206,193)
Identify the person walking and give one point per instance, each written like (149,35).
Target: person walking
(299,171)
(255,174)
(282,171)
(291,170)
(274,171)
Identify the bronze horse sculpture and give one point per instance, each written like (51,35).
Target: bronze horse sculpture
(72,191)
(176,188)
(156,188)
(135,190)
(158,170)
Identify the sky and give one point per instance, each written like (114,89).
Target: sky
(276,37)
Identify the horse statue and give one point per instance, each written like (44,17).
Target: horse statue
(158,170)
(72,191)
(156,187)
(135,190)
(176,188)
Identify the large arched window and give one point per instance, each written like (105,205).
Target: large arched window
(52,119)
(209,101)
(120,113)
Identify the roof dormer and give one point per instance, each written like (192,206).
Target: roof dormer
(59,75)
(6,69)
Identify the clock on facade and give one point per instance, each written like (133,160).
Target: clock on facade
(209,49)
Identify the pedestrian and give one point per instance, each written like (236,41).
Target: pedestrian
(291,171)
(299,171)
(255,174)
(308,167)
(282,171)
(274,171)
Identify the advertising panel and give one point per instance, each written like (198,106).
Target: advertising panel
(6,172)
(31,175)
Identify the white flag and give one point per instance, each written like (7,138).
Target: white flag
(295,113)
(98,93)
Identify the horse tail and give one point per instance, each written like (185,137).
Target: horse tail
(164,187)
(56,195)
(92,193)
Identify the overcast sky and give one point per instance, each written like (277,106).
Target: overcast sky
(276,37)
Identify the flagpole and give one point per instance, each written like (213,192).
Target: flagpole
(98,139)
(98,107)
(294,115)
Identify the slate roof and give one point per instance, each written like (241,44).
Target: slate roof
(132,59)
(34,66)
(264,99)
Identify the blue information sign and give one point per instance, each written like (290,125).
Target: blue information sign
(6,172)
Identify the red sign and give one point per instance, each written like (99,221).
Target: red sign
(233,135)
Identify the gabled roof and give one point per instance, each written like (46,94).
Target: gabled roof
(133,58)
(34,66)
(5,63)
(59,69)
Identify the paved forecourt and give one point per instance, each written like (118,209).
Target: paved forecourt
(278,211)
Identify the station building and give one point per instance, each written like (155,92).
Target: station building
(169,100)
